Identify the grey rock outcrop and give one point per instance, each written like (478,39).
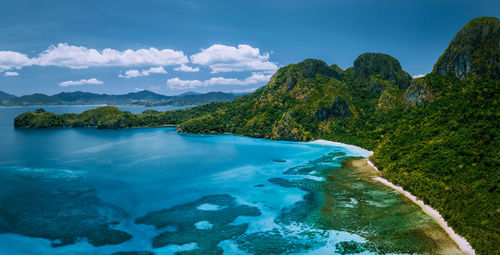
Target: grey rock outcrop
(475,49)
(418,93)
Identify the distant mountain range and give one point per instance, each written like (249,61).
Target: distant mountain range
(145,97)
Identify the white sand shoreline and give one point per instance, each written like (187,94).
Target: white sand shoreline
(372,165)
(459,240)
(363,152)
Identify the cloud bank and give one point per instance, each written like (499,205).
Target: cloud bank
(223,58)
(219,58)
(11,60)
(11,74)
(78,57)
(255,78)
(418,76)
(250,90)
(186,68)
(80,82)
(136,73)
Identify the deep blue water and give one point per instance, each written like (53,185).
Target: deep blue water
(60,181)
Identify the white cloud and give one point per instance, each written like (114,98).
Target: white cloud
(135,73)
(418,76)
(258,78)
(219,58)
(80,82)
(11,59)
(11,74)
(186,68)
(150,88)
(130,74)
(255,78)
(222,58)
(77,57)
(250,90)
(176,83)
(155,70)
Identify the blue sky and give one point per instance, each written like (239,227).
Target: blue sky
(171,47)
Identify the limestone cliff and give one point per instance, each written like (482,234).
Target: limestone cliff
(475,49)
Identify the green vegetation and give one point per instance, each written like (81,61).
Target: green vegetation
(447,152)
(111,117)
(436,136)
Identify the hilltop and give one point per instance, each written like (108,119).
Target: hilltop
(474,50)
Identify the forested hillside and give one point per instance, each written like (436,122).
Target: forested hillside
(110,117)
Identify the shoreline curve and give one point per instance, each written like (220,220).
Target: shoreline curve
(461,242)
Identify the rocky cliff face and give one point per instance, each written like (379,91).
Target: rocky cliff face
(417,93)
(475,49)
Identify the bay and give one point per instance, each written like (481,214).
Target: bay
(84,190)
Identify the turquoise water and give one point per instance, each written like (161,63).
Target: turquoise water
(81,191)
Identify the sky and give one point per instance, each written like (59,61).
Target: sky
(171,47)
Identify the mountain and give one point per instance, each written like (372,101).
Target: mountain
(5,96)
(303,101)
(199,99)
(239,94)
(144,97)
(474,50)
(189,93)
(436,136)
(34,99)
(382,65)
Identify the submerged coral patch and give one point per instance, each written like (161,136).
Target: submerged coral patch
(273,242)
(279,160)
(133,253)
(349,247)
(203,225)
(210,207)
(192,223)
(64,216)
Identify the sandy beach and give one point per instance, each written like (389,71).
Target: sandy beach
(459,240)
(361,164)
(374,174)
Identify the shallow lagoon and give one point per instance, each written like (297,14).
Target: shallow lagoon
(80,191)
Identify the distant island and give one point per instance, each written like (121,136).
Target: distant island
(145,98)
(436,136)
